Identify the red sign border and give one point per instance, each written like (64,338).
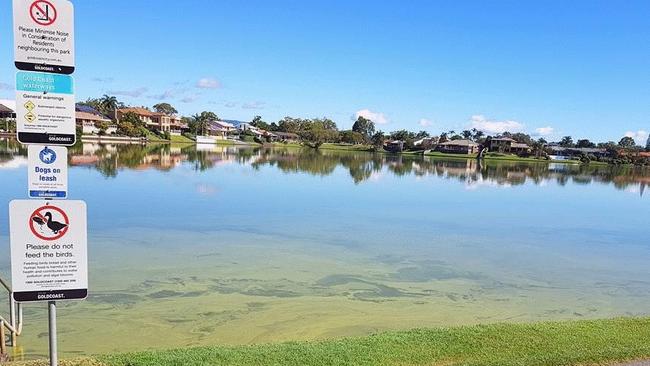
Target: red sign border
(61,233)
(31,14)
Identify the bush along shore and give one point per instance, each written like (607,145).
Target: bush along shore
(586,342)
(107,116)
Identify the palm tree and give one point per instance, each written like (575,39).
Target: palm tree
(109,104)
(201,121)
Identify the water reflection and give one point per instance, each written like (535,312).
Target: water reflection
(109,159)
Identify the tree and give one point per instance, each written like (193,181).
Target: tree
(522,138)
(131,125)
(108,104)
(467,134)
(352,137)
(647,144)
(585,143)
(567,141)
(477,134)
(364,126)
(259,123)
(377,140)
(318,131)
(627,142)
(402,135)
(422,134)
(200,122)
(165,108)
(288,124)
(319,135)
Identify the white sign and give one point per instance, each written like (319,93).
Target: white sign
(45,108)
(44,35)
(49,259)
(48,171)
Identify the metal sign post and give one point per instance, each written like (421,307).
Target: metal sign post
(48,240)
(51,317)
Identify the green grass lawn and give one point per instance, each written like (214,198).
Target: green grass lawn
(181,139)
(592,342)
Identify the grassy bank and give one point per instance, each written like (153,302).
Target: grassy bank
(593,342)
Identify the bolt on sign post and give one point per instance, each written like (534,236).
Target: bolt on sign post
(49,260)
(44,35)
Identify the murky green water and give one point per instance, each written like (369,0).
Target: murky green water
(242,245)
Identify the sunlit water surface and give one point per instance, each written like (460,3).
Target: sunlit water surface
(241,245)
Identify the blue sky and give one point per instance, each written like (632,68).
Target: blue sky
(545,67)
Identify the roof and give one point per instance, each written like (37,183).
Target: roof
(138,110)
(85,108)
(91,117)
(585,150)
(224,124)
(4,108)
(459,143)
(519,145)
(503,139)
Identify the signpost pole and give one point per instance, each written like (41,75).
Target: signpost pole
(51,314)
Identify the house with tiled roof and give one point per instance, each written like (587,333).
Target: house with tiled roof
(508,145)
(154,120)
(6,112)
(92,121)
(458,147)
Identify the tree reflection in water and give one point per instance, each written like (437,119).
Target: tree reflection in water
(109,159)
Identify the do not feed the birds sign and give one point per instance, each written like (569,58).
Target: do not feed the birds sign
(49,256)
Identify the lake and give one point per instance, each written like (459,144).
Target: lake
(235,245)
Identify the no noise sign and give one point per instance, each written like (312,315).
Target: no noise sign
(44,35)
(49,259)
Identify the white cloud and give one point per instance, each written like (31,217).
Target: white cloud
(376,117)
(190,98)
(103,80)
(165,95)
(425,122)
(494,127)
(129,93)
(208,83)
(253,105)
(544,131)
(640,136)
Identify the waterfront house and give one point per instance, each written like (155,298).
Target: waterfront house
(520,149)
(247,127)
(91,123)
(6,112)
(220,128)
(458,147)
(153,120)
(425,141)
(508,145)
(394,146)
(564,153)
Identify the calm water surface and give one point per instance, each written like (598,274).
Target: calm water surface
(242,245)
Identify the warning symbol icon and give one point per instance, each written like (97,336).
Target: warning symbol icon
(30,117)
(30,105)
